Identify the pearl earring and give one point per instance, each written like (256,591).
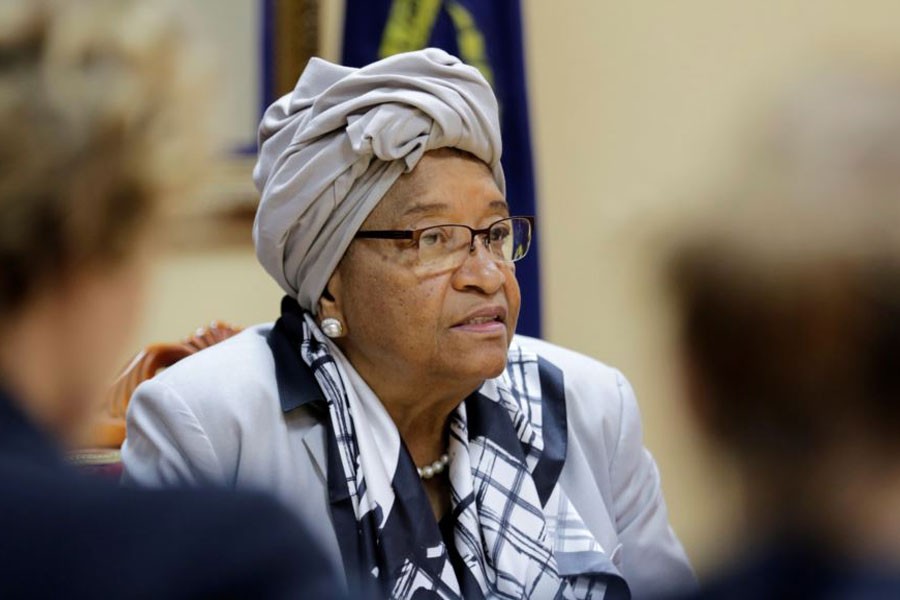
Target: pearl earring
(332,327)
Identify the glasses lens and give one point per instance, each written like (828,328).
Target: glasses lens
(438,245)
(446,246)
(511,238)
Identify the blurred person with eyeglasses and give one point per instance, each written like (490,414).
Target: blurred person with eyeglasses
(440,454)
(98,128)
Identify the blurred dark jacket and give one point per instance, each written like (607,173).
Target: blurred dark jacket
(63,534)
(793,570)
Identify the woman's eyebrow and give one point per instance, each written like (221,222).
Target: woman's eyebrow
(501,205)
(437,207)
(419,209)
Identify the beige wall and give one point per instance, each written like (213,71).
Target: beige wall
(635,105)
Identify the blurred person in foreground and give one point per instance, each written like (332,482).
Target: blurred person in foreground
(439,454)
(789,306)
(96,127)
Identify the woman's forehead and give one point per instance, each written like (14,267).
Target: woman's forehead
(442,185)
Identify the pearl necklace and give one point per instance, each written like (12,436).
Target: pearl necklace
(435,468)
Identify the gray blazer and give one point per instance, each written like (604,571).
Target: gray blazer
(220,417)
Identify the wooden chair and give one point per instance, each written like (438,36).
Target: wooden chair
(108,428)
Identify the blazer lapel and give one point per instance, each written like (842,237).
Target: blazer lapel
(297,386)
(315,440)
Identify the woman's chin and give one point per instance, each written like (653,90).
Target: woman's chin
(481,364)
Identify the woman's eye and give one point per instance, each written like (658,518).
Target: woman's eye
(499,233)
(431,237)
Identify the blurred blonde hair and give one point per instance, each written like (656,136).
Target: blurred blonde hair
(99,120)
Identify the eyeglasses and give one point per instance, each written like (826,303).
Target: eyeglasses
(446,246)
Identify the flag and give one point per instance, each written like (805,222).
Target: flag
(486,34)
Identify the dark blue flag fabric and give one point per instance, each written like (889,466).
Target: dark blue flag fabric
(486,34)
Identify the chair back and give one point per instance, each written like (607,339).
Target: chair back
(108,429)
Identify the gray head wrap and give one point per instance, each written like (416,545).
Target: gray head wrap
(331,149)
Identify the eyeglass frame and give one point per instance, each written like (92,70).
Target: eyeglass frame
(415,234)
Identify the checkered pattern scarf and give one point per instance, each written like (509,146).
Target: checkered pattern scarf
(512,522)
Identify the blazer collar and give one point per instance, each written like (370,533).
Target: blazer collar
(297,385)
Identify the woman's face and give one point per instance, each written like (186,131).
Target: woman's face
(419,325)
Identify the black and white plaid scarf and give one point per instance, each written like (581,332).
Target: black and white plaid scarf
(513,526)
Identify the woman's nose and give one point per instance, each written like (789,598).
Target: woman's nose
(480,270)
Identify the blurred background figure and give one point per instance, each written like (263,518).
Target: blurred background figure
(789,310)
(99,102)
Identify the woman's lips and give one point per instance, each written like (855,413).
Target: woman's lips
(489,319)
(481,327)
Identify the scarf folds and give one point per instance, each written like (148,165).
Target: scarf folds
(513,525)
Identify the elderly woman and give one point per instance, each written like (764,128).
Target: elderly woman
(391,403)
